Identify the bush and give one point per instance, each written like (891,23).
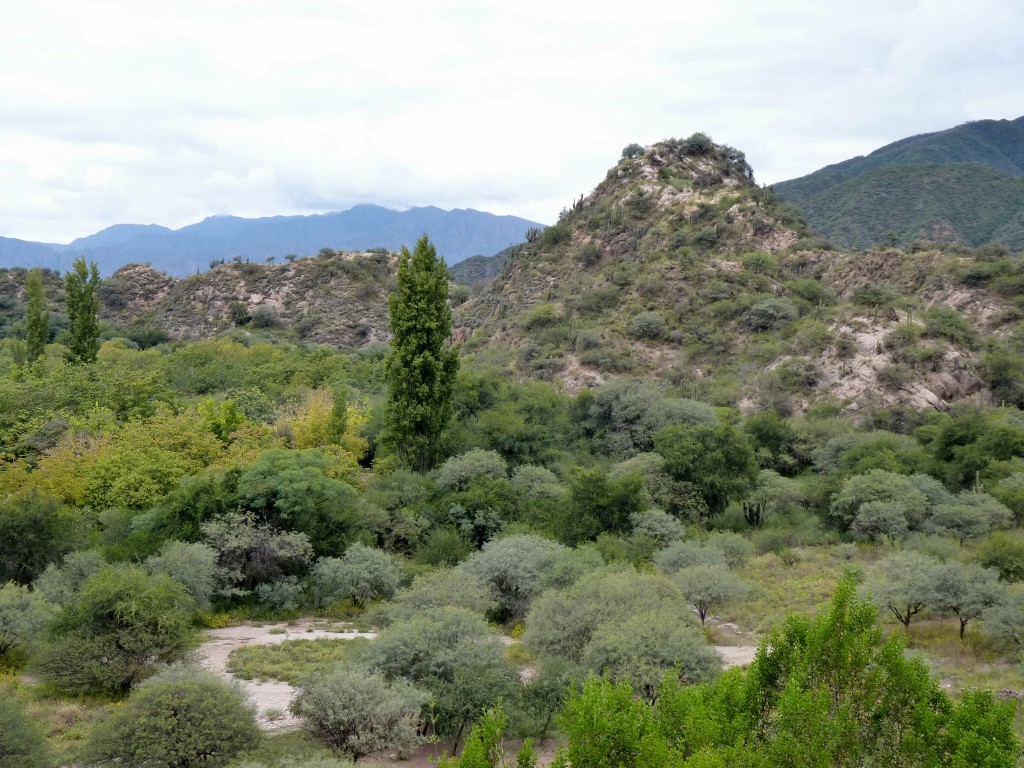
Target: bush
(122,624)
(698,144)
(282,595)
(514,567)
(194,565)
(1004,552)
(264,316)
(22,739)
(895,377)
(24,616)
(362,574)
(59,585)
(770,314)
(648,325)
(687,554)
(180,718)
(460,471)
(358,712)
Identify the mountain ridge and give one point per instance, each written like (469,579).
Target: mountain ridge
(932,186)
(457,234)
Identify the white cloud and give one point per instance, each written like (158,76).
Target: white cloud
(120,111)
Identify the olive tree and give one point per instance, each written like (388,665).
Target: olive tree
(460,471)
(561,622)
(59,584)
(687,554)
(454,656)
(358,712)
(440,588)
(656,525)
(880,485)
(180,718)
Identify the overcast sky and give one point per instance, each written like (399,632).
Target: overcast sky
(168,112)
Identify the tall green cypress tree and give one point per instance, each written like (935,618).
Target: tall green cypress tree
(83,306)
(421,368)
(37,318)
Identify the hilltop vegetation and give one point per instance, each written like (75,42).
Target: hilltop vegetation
(962,185)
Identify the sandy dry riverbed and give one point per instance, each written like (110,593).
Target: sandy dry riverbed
(276,696)
(270,695)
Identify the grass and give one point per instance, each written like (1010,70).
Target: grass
(290,749)
(787,585)
(66,721)
(289,661)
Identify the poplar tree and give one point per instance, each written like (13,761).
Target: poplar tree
(37,318)
(83,306)
(421,368)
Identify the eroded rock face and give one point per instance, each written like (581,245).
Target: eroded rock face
(340,299)
(854,378)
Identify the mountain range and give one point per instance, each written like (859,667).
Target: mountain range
(962,185)
(457,234)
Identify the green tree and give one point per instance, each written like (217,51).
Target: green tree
(362,574)
(80,285)
(904,582)
(716,460)
(293,490)
(22,739)
(421,367)
(37,318)
(179,718)
(608,728)
(709,586)
(121,624)
(35,531)
(967,590)
(359,712)
(24,615)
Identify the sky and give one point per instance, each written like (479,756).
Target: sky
(169,112)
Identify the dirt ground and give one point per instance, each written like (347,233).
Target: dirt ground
(276,696)
(271,695)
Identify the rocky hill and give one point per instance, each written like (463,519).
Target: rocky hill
(679,266)
(963,185)
(676,267)
(333,298)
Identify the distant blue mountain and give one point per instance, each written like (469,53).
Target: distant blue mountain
(457,235)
